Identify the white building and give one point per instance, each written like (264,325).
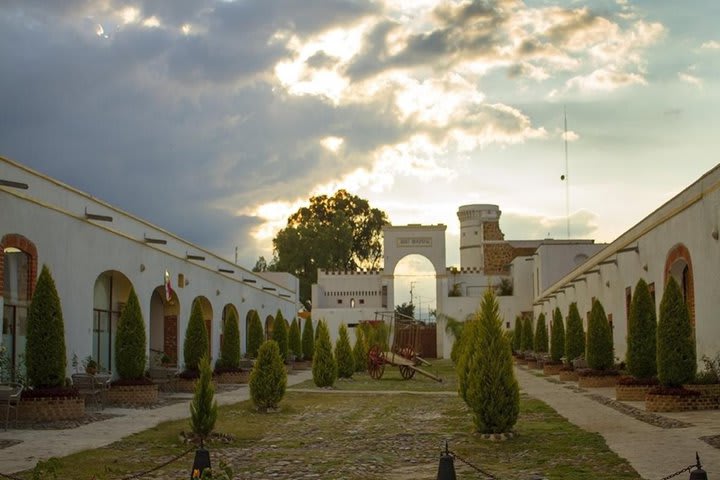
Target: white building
(96,252)
(680,239)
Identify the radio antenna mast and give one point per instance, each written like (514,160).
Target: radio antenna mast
(566,177)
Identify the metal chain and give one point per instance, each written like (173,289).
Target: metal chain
(177,457)
(686,469)
(478,469)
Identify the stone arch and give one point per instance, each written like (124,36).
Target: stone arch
(678,264)
(164,329)
(207,314)
(110,294)
(18,276)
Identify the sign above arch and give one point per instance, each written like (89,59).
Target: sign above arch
(425,240)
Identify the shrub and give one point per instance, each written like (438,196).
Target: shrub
(360,351)
(344,354)
(196,338)
(45,357)
(230,346)
(493,393)
(676,362)
(130,346)
(642,334)
(376,333)
(574,334)
(280,335)
(541,335)
(204,408)
(517,334)
(465,352)
(308,339)
(528,340)
(324,367)
(268,378)
(255,334)
(599,352)
(557,336)
(294,340)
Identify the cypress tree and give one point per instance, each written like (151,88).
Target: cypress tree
(324,367)
(541,335)
(492,393)
(45,357)
(203,408)
(230,346)
(599,351)
(517,334)
(294,340)
(676,362)
(528,340)
(268,378)
(360,351)
(574,334)
(466,351)
(557,336)
(308,339)
(130,346)
(642,334)
(344,354)
(280,335)
(196,338)
(255,334)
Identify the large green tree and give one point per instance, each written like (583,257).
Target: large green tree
(197,342)
(230,346)
(255,334)
(557,336)
(130,340)
(676,362)
(308,339)
(541,335)
(528,339)
(280,335)
(574,334)
(599,348)
(344,354)
(341,232)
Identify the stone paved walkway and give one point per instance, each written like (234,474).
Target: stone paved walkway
(653,451)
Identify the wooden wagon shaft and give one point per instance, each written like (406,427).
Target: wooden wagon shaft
(427,374)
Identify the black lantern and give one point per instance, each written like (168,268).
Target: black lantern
(201,463)
(446,469)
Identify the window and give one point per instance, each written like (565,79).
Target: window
(362,301)
(16,276)
(339,301)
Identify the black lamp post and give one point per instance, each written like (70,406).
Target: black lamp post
(446,468)
(698,473)
(201,463)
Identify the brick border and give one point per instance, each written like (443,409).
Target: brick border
(631,393)
(22,243)
(597,381)
(679,403)
(132,394)
(51,409)
(568,376)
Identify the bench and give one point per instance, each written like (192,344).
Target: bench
(92,386)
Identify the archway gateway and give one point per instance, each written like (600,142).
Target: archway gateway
(164,315)
(110,294)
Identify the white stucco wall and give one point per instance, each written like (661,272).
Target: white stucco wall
(77,250)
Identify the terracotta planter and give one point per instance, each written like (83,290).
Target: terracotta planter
(604,381)
(568,376)
(631,393)
(132,394)
(51,409)
(655,402)
(552,369)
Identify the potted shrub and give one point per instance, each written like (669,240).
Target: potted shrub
(46,396)
(227,368)
(641,358)
(574,343)
(599,352)
(557,345)
(132,387)
(676,358)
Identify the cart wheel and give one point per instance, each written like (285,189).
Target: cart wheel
(407,352)
(407,372)
(376,362)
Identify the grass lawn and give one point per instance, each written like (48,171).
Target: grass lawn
(348,435)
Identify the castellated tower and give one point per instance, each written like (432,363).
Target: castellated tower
(480,235)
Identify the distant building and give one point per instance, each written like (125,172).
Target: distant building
(532,276)
(97,252)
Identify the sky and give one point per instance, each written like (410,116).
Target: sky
(217,119)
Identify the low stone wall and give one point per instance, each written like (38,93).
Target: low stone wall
(532,364)
(568,376)
(233,377)
(712,390)
(51,409)
(132,394)
(631,393)
(552,369)
(597,381)
(303,365)
(679,403)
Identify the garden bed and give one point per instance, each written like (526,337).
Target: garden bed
(588,378)
(666,399)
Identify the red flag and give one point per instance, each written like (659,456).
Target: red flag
(168,288)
